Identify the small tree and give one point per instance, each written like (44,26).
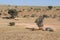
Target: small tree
(26,16)
(50,7)
(13,13)
(37,9)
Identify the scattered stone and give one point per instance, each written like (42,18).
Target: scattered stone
(49,29)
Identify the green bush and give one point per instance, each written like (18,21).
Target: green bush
(13,13)
(11,23)
(37,9)
(0,14)
(59,16)
(33,15)
(54,16)
(50,7)
(57,9)
(26,16)
(31,8)
(16,6)
(19,11)
(1,11)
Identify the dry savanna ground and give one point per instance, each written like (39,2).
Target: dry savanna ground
(19,31)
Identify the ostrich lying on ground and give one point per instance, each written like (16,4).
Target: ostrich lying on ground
(39,22)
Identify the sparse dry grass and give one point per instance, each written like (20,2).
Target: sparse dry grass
(18,32)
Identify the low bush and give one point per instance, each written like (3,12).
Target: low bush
(33,15)
(50,7)
(0,14)
(26,16)
(11,23)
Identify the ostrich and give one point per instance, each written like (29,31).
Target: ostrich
(39,21)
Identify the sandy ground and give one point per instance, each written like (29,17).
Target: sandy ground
(19,31)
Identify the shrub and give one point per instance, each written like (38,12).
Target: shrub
(26,16)
(11,23)
(54,16)
(16,6)
(57,9)
(1,11)
(59,19)
(32,29)
(37,9)
(19,11)
(6,17)
(9,5)
(50,15)
(23,9)
(0,14)
(50,7)
(5,10)
(59,16)
(13,13)
(33,15)
(31,8)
